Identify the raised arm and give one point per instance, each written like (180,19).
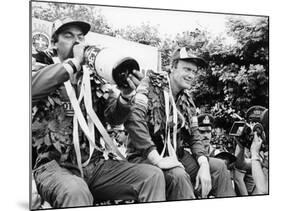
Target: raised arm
(47,79)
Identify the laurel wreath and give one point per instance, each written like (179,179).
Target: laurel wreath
(156,116)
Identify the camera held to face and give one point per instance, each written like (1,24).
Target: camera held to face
(244,129)
(111,64)
(245,132)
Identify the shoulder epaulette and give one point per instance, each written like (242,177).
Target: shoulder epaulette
(44,57)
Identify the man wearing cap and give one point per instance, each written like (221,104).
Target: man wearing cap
(205,125)
(205,122)
(164,115)
(58,178)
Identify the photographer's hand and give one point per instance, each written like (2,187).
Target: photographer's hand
(241,162)
(256,145)
(259,176)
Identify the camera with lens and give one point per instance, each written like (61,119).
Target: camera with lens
(244,128)
(111,64)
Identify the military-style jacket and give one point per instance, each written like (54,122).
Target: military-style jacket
(52,114)
(146,122)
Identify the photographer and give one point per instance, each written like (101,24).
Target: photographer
(259,166)
(57,174)
(242,174)
(251,173)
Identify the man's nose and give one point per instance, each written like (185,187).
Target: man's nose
(77,41)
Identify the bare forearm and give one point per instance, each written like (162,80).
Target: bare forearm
(239,181)
(259,177)
(241,162)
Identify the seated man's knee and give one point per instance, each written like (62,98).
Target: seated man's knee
(156,178)
(75,193)
(79,187)
(217,165)
(178,174)
(158,173)
(178,184)
(150,184)
(153,173)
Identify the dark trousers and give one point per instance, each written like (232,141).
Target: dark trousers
(178,184)
(61,188)
(220,175)
(148,181)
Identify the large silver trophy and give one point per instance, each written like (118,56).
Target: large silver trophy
(111,64)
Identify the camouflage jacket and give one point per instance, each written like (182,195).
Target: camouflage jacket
(52,114)
(146,122)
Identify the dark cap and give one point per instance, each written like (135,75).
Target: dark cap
(187,55)
(60,24)
(205,122)
(264,119)
(254,113)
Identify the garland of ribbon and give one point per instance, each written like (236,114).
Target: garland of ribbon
(168,98)
(92,119)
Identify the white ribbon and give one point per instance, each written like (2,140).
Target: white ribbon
(168,97)
(86,86)
(92,119)
(167,112)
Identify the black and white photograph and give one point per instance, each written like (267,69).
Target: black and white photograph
(137,105)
